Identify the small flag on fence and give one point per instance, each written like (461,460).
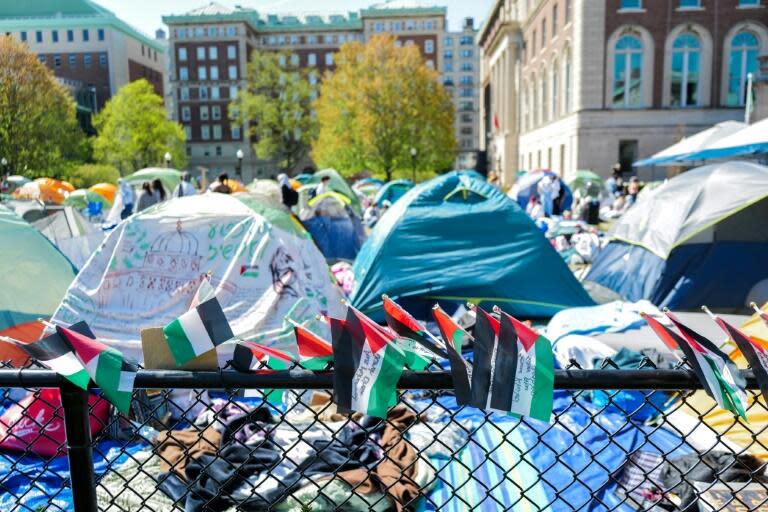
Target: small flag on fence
(55,353)
(400,321)
(197,331)
(719,376)
(205,292)
(368,366)
(106,366)
(314,352)
(487,359)
(755,354)
(454,337)
(251,356)
(533,371)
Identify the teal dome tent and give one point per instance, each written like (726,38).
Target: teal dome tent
(456,238)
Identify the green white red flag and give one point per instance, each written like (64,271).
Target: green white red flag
(454,337)
(367,365)
(106,366)
(314,352)
(755,354)
(400,321)
(199,330)
(251,356)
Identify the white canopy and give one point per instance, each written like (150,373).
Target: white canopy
(693,144)
(750,140)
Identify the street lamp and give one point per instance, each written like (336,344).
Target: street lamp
(413,162)
(240,156)
(4,165)
(167,159)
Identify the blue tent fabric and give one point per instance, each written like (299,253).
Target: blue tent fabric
(392,191)
(527,183)
(455,238)
(337,238)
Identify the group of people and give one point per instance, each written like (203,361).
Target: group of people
(621,193)
(549,199)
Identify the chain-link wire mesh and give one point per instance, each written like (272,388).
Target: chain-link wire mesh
(290,449)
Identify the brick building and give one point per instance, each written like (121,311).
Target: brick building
(209,49)
(89,49)
(589,83)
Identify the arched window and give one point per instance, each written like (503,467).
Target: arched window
(742,61)
(628,73)
(544,94)
(567,79)
(555,92)
(534,102)
(686,70)
(526,107)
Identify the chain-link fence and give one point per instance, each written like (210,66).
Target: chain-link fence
(274,441)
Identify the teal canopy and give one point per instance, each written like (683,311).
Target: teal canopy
(35,275)
(392,191)
(456,238)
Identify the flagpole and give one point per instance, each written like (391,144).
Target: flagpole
(749,103)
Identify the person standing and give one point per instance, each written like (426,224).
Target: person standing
(147,197)
(127,197)
(185,187)
(158,191)
(615,184)
(324,186)
(221,184)
(290,196)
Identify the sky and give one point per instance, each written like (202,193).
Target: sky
(146,14)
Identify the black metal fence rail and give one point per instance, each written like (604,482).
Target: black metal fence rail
(636,485)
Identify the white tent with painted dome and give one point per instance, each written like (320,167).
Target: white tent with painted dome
(264,267)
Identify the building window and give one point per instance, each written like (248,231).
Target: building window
(742,61)
(199,32)
(231,52)
(567,79)
(214,72)
(232,92)
(23,36)
(142,50)
(329,59)
(41,58)
(686,56)
(627,72)
(72,61)
(543,32)
(182,54)
(205,132)
(466,66)
(555,91)
(86,35)
(466,80)
(216,113)
(628,154)
(203,93)
(186,114)
(312,59)
(232,70)
(100,34)
(188,132)
(87,60)
(544,98)
(448,41)
(55,36)
(631,4)
(184,93)
(183,73)
(201,53)
(202,73)
(687,4)
(554,20)
(466,41)
(448,67)
(70,36)
(466,54)
(749,3)
(448,54)
(218,148)
(204,113)
(430,64)
(102,60)
(57,60)
(294,60)
(231,31)
(213,52)
(533,43)
(235,132)
(215,93)
(39,36)
(217,134)
(568,11)
(429,47)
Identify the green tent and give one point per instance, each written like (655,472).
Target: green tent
(455,239)
(583,178)
(170,178)
(35,274)
(340,185)
(81,197)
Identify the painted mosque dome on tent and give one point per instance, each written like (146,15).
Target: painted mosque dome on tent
(700,238)
(263,266)
(455,239)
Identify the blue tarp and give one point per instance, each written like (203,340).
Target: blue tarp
(337,238)
(455,238)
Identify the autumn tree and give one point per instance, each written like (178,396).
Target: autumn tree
(134,131)
(276,104)
(381,101)
(38,125)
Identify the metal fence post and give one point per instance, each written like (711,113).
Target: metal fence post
(79,450)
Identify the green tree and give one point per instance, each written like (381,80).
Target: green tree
(86,175)
(134,131)
(276,103)
(38,126)
(380,102)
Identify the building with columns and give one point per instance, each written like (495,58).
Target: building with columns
(210,47)
(596,82)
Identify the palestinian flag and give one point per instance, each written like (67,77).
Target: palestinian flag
(106,366)
(400,321)
(454,337)
(250,356)
(719,376)
(532,371)
(314,352)
(368,365)
(486,360)
(55,353)
(204,293)
(755,353)
(199,330)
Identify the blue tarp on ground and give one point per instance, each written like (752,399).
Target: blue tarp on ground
(456,238)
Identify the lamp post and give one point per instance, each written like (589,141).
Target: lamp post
(167,159)
(413,162)
(239,169)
